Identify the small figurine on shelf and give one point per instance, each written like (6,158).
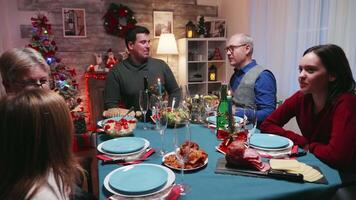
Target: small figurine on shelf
(111,61)
(217,55)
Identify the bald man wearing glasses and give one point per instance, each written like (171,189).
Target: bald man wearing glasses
(251,84)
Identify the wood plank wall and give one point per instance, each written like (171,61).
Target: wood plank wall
(78,52)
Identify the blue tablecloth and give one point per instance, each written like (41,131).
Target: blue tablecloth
(206,184)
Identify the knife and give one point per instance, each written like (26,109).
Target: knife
(224,167)
(277,174)
(298,154)
(147,153)
(128,112)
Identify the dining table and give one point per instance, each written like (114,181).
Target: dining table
(205,183)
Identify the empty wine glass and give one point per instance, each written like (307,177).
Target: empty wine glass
(246,125)
(144,102)
(161,122)
(185,91)
(182,138)
(250,121)
(185,95)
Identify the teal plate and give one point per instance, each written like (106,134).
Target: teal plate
(138,179)
(123,145)
(268,141)
(212,119)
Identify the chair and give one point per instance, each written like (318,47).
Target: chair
(345,193)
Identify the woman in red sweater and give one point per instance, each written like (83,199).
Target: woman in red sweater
(324,107)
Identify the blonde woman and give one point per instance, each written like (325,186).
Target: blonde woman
(23,68)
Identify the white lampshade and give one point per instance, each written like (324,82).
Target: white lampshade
(167,44)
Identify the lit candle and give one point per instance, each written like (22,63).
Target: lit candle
(159,85)
(190,34)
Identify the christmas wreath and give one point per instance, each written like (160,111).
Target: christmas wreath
(118,20)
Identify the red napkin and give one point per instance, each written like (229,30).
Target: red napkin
(142,158)
(294,150)
(174,193)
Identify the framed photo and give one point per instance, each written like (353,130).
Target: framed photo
(74,22)
(215,28)
(162,22)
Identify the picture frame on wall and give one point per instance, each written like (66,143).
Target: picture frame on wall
(162,22)
(74,24)
(215,28)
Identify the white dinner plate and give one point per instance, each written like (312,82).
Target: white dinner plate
(173,153)
(170,180)
(268,136)
(100,149)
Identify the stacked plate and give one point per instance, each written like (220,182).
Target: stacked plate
(212,120)
(270,144)
(139,180)
(125,147)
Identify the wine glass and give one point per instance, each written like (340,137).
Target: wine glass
(161,121)
(184,91)
(182,138)
(144,101)
(250,121)
(185,101)
(155,106)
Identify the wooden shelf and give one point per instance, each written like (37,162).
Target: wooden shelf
(196,55)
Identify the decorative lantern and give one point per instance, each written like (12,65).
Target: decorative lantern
(189,29)
(212,73)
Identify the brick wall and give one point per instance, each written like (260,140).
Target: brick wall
(78,52)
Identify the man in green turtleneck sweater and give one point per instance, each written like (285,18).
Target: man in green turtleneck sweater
(126,79)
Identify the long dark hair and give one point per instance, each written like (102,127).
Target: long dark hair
(36,128)
(334,60)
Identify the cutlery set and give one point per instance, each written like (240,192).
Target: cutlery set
(124,160)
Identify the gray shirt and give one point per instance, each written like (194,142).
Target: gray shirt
(125,80)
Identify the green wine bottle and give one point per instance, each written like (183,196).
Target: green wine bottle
(222,114)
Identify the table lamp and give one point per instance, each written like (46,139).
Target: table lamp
(167,45)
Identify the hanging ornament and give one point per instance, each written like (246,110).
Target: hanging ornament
(118,20)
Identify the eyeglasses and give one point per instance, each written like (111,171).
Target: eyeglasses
(231,48)
(33,83)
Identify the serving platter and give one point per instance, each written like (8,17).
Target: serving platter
(178,169)
(117,118)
